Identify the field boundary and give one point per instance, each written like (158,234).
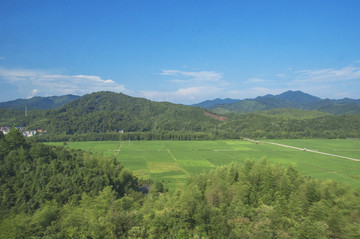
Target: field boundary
(171,155)
(116,151)
(303,149)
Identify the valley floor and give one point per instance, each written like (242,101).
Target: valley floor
(172,161)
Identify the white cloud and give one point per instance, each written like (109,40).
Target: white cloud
(351,72)
(2,58)
(331,83)
(193,77)
(255,80)
(35,81)
(252,92)
(190,86)
(281,75)
(193,95)
(183,95)
(109,81)
(194,87)
(34,92)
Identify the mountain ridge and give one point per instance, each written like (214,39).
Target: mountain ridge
(289,99)
(116,116)
(39,102)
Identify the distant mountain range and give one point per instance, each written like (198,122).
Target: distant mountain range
(290,99)
(106,115)
(37,102)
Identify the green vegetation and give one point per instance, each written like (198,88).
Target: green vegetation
(262,126)
(101,115)
(172,161)
(194,188)
(294,113)
(53,192)
(38,102)
(286,100)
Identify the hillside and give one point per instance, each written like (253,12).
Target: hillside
(37,102)
(53,192)
(295,97)
(116,116)
(290,99)
(103,112)
(294,113)
(210,103)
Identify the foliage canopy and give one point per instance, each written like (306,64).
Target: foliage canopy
(58,193)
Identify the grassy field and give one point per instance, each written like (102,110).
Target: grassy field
(172,161)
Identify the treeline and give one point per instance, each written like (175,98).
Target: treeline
(262,126)
(251,125)
(53,192)
(172,135)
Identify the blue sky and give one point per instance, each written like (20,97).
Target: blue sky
(180,51)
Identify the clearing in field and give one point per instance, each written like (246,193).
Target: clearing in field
(172,161)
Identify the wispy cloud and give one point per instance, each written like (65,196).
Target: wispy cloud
(193,87)
(351,72)
(31,82)
(183,95)
(190,86)
(281,75)
(192,76)
(255,80)
(329,82)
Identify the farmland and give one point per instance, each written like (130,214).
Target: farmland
(172,161)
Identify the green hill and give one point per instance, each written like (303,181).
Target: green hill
(102,115)
(289,99)
(103,112)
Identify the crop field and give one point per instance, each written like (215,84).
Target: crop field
(172,161)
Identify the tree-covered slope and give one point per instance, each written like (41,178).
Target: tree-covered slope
(49,192)
(33,173)
(294,113)
(289,99)
(104,114)
(110,112)
(210,103)
(296,97)
(38,102)
(265,126)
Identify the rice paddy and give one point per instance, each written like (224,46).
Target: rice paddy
(172,161)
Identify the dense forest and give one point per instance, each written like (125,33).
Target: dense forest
(53,192)
(102,115)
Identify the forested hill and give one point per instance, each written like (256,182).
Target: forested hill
(105,114)
(111,112)
(38,102)
(289,99)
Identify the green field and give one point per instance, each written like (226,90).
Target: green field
(172,161)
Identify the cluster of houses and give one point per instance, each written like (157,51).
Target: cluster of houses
(23,130)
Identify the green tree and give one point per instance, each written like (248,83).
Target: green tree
(14,139)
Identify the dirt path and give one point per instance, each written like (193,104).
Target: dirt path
(171,155)
(116,151)
(304,149)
